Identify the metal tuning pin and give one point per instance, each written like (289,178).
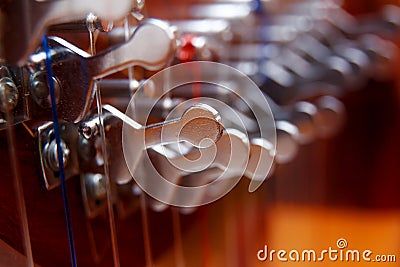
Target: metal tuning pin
(151,46)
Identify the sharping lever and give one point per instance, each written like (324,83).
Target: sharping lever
(199,125)
(151,46)
(259,160)
(230,154)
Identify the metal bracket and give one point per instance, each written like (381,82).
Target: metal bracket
(48,152)
(151,46)
(94,194)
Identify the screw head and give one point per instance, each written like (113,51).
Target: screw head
(8,95)
(40,90)
(51,154)
(96,185)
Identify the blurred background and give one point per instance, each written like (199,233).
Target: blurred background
(343,186)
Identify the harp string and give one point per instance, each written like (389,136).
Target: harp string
(18,187)
(178,247)
(110,206)
(59,150)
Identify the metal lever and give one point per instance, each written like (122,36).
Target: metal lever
(81,146)
(257,167)
(151,46)
(258,160)
(261,152)
(25,21)
(302,114)
(199,125)
(230,155)
(287,123)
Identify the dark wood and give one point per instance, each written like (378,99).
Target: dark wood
(46,218)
